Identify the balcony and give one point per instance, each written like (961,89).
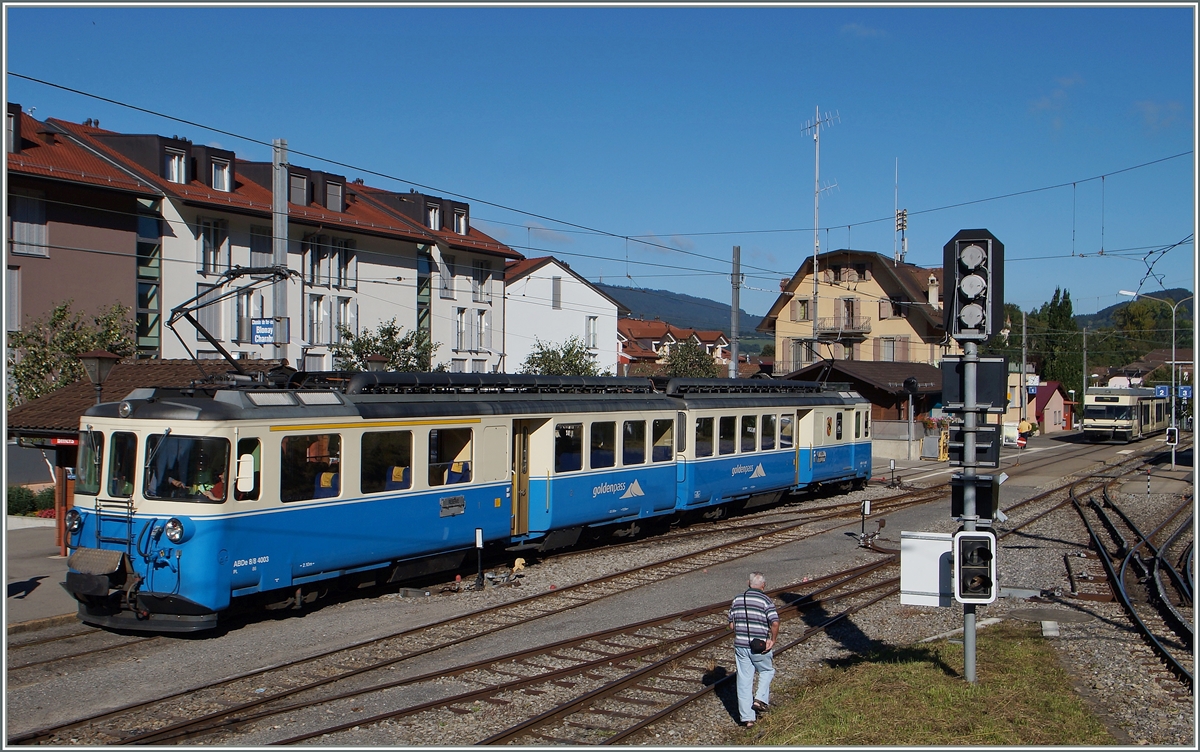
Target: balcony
(844,325)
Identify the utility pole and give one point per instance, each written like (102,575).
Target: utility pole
(1083,399)
(279,244)
(1024,367)
(815,126)
(736,279)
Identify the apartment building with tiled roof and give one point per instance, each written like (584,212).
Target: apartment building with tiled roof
(649,342)
(72,227)
(865,306)
(358,255)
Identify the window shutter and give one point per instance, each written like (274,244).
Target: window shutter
(867,273)
(885,309)
(786,355)
(487,330)
(352,325)
(877,348)
(902,349)
(352,265)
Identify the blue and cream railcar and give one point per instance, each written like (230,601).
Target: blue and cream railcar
(191,501)
(766,437)
(1124,414)
(379,476)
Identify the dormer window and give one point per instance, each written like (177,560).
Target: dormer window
(175,170)
(220,175)
(333,196)
(298,189)
(433,215)
(460,222)
(9,133)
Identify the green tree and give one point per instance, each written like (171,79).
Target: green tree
(411,352)
(1058,341)
(571,358)
(768,350)
(689,359)
(44,354)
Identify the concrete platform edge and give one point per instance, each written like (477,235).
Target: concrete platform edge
(45,623)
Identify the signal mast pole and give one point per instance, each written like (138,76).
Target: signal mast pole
(815,126)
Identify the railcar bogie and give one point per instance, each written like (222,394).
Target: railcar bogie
(192,502)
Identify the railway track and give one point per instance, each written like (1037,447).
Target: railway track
(1134,566)
(191,715)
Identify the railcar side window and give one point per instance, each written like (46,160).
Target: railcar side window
(785,432)
(568,447)
(768,432)
(604,444)
(87,471)
(857,424)
(386,461)
(253,449)
(310,466)
(449,456)
(727,438)
(704,437)
(838,431)
(749,433)
(186,468)
(867,424)
(122,464)
(664,437)
(633,442)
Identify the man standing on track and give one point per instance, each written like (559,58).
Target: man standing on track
(755,623)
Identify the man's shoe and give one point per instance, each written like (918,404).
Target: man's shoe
(760,707)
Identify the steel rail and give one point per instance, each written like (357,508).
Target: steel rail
(1123,597)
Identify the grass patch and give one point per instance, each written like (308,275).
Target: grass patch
(917,696)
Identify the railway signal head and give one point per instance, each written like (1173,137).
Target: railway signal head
(974,566)
(1172,436)
(973,274)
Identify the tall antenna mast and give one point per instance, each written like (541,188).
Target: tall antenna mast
(815,126)
(901,224)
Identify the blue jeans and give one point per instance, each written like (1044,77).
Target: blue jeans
(747,665)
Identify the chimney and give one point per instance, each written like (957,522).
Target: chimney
(783,283)
(933,291)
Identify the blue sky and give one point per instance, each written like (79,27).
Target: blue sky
(685,127)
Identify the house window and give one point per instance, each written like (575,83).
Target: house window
(10,133)
(315,318)
(460,329)
(220,175)
(800,310)
(589,332)
(261,253)
(314,363)
(478,366)
(175,166)
(209,312)
(343,319)
(458,365)
(460,222)
(214,237)
(887,348)
(556,293)
(333,196)
(483,330)
(28,213)
(447,277)
(317,250)
(12,291)
(298,189)
(481,277)
(346,268)
(433,214)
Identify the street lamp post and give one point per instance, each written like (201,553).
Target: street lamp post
(1072,393)
(98,364)
(1174,306)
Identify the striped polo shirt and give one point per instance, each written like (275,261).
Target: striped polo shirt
(752,613)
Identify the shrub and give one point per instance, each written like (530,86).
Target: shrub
(20,500)
(44,499)
(47,513)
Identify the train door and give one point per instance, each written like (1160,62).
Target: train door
(1144,426)
(522,429)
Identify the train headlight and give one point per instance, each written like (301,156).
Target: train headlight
(124,409)
(174,530)
(74,520)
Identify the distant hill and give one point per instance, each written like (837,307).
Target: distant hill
(678,309)
(1104,317)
